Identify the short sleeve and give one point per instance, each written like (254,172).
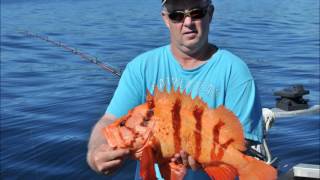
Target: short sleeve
(128,93)
(243,99)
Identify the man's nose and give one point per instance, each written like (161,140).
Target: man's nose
(187,21)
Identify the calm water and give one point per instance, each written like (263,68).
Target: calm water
(50,99)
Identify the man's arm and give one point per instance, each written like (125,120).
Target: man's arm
(100,156)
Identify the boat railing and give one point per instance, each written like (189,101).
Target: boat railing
(269,117)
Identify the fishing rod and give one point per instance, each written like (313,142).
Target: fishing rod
(82,55)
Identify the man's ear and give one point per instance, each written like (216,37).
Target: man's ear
(211,12)
(165,19)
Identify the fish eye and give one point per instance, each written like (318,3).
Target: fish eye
(124,119)
(144,122)
(123,123)
(146,119)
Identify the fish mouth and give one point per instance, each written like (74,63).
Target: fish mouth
(115,139)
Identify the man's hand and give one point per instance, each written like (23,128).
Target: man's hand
(186,160)
(178,171)
(101,157)
(106,159)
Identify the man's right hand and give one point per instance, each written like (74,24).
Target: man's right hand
(101,157)
(105,159)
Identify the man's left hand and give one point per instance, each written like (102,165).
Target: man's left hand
(186,160)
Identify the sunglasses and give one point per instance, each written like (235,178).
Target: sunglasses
(196,13)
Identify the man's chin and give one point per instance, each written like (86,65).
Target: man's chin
(191,45)
(191,42)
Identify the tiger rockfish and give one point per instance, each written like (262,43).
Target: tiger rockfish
(172,121)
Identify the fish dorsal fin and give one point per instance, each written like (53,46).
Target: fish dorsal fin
(171,97)
(165,98)
(198,103)
(156,91)
(160,97)
(150,100)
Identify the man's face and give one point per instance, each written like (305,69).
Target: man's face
(190,33)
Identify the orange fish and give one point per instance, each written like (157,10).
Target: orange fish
(172,121)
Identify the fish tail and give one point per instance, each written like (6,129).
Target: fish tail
(257,170)
(221,172)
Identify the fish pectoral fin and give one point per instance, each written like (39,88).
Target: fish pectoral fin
(257,170)
(165,170)
(221,172)
(147,171)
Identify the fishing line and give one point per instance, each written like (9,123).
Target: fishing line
(74,51)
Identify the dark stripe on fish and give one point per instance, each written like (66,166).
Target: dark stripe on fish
(176,124)
(215,143)
(197,113)
(147,117)
(222,149)
(149,113)
(216,132)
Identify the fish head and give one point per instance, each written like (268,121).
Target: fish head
(133,130)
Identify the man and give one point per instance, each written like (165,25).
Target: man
(190,63)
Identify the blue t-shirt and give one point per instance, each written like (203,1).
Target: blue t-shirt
(223,80)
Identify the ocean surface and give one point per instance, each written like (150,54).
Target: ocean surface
(50,98)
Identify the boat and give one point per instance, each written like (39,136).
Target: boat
(290,104)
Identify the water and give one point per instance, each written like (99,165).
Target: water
(50,99)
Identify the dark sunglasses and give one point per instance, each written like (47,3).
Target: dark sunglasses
(196,13)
